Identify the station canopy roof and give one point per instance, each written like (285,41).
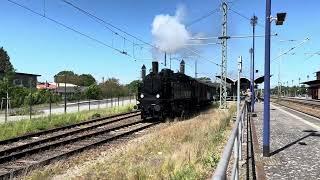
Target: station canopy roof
(314,82)
(259,80)
(229,80)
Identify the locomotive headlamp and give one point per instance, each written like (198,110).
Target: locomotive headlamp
(157,108)
(141,96)
(158,96)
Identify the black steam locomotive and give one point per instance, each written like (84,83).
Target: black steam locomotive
(168,94)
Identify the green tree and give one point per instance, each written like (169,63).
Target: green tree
(66,77)
(5,64)
(73,78)
(93,92)
(133,86)
(86,80)
(111,88)
(7,70)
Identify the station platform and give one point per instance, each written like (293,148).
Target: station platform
(294,144)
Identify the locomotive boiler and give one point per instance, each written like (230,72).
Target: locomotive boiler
(168,94)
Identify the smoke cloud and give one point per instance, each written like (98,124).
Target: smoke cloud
(169,33)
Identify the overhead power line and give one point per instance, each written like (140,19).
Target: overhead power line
(107,23)
(312,54)
(71,29)
(202,17)
(133,36)
(204,58)
(244,17)
(209,13)
(291,49)
(94,39)
(231,37)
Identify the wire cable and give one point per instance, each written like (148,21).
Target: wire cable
(291,49)
(96,20)
(209,13)
(245,17)
(70,28)
(202,17)
(107,23)
(312,54)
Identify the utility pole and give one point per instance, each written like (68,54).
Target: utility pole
(195,69)
(224,37)
(165,59)
(293,94)
(7,106)
(279,79)
(65,94)
(30,103)
(170,60)
(253,22)
(238,84)
(251,73)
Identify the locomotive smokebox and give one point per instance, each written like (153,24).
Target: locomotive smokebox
(143,72)
(182,66)
(155,67)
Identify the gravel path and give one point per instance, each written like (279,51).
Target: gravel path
(295,144)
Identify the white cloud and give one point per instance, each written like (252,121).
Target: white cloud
(169,33)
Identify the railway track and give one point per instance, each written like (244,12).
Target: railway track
(307,102)
(307,106)
(18,155)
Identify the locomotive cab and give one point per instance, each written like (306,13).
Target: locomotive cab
(150,96)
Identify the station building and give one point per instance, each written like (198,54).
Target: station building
(314,87)
(244,84)
(24,79)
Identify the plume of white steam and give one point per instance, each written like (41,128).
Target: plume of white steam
(169,33)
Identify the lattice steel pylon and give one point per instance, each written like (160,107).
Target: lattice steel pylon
(224,37)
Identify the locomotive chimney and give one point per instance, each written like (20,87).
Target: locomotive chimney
(143,72)
(182,66)
(155,67)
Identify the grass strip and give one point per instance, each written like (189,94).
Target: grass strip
(21,127)
(187,149)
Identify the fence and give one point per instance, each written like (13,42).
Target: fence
(234,146)
(30,111)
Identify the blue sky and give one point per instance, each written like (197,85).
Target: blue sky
(39,46)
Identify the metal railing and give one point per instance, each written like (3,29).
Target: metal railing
(234,145)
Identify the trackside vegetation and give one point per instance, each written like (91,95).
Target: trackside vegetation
(187,149)
(17,128)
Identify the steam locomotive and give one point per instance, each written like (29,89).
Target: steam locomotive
(168,94)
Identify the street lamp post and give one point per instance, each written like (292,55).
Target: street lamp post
(238,84)
(292,88)
(65,90)
(288,89)
(299,86)
(266,111)
(253,22)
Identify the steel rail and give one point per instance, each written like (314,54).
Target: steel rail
(20,170)
(309,102)
(26,136)
(313,114)
(62,135)
(34,150)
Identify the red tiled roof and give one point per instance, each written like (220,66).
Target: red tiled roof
(46,86)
